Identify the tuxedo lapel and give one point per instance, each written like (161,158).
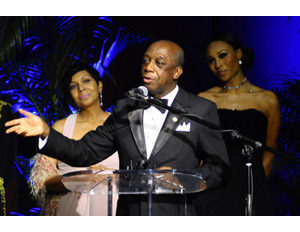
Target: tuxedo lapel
(171,123)
(136,125)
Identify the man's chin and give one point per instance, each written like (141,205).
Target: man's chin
(149,87)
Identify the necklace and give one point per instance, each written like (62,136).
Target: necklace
(237,86)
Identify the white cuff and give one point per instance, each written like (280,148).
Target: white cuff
(42,142)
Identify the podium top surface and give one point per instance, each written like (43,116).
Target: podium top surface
(143,181)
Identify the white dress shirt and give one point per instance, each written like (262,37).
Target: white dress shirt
(153,120)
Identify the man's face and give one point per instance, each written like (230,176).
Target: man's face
(159,69)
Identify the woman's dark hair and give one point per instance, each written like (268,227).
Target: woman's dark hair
(75,68)
(248,54)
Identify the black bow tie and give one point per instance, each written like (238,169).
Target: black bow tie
(146,105)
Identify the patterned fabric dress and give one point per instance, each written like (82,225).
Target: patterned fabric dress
(70,203)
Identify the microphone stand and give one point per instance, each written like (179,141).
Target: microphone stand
(247,151)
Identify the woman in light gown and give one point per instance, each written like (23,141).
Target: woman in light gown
(45,179)
(252,111)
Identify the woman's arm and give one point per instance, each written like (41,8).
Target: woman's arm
(273,114)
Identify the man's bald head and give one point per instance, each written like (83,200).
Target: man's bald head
(176,51)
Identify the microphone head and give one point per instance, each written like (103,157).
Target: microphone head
(138,93)
(143,90)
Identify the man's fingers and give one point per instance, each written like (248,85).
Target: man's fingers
(22,131)
(25,133)
(25,113)
(13,129)
(10,130)
(18,130)
(12,123)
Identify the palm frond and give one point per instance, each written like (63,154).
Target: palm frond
(13,30)
(122,41)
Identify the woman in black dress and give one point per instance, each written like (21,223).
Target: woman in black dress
(252,111)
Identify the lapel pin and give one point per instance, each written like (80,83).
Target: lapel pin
(175,119)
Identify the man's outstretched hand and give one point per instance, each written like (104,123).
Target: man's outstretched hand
(31,125)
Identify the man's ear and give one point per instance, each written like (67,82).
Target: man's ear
(178,72)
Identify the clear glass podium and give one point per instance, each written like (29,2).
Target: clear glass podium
(142,181)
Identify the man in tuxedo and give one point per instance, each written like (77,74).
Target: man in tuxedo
(146,137)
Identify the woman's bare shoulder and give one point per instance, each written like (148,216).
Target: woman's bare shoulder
(59,125)
(209,94)
(268,96)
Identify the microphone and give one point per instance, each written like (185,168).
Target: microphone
(138,93)
(235,134)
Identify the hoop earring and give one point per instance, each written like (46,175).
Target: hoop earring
(240,62)
(100,98)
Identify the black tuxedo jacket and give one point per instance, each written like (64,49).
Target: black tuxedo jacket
(182,150)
